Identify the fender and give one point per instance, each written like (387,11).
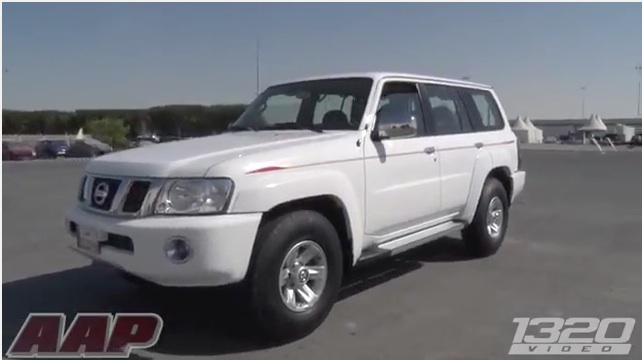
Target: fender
(262,192)
(483,166)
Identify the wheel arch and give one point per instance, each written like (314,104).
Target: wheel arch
(502,173)
(485,170)
(328,205)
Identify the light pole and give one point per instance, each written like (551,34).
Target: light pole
(583,88)
(258,51)
(639,69)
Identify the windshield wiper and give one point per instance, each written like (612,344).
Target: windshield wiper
(292,126)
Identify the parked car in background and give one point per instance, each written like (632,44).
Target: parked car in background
(47,149)
(636,140)
(86,148)
(16,150)
(616,139)
(144,140)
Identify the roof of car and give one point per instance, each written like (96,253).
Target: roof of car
(378,75)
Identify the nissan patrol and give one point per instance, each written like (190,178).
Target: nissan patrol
(314,177)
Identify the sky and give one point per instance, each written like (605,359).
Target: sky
(537,56)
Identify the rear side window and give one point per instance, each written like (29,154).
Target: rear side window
(447,116)
(482,110)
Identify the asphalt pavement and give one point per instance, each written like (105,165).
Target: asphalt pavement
(574,248)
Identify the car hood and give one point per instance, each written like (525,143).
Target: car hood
(192,158)
(22,150)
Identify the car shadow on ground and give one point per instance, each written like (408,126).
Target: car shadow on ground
(196,321)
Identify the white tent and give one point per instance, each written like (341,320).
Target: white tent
(521,130)
(537,136)
(526,132)
(594,125)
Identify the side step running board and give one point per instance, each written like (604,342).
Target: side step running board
(408,242)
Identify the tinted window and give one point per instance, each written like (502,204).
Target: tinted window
(483,110)
(446,114)
(336,106)
(399,111)
(328,104)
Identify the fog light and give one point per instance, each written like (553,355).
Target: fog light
(178,251)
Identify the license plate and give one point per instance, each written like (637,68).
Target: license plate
(89,239)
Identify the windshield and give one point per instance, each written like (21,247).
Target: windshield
(328,104)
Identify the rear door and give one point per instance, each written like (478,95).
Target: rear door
(402,168)
(457,145)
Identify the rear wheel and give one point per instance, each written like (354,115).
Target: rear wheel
(296,274)
(485,235)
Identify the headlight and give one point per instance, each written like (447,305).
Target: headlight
(193,196)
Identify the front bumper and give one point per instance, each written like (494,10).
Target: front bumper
(221,245)
(519,180)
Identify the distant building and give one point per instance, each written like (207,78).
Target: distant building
(557,127)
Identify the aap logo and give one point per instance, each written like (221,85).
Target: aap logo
(100,335)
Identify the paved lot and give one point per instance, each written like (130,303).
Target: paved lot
(574,248)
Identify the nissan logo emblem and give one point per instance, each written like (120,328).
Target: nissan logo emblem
(100,193)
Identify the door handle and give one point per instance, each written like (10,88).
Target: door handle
(479,145)
(429,150)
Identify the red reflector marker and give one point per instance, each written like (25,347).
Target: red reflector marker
(266,169)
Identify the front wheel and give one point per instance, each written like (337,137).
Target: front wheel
(484,236)
(296,275)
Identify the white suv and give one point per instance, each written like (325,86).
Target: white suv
(316,176)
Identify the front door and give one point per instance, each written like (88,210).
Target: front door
(402,167)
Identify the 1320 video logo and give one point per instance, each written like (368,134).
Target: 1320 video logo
(610,336)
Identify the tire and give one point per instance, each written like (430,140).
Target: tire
(279,239)
(480,240)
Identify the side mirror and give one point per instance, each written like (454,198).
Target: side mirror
(377,134)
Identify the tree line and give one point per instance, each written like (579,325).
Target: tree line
(169,120)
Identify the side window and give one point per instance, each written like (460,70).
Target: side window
(446,114)
(399,112)
(332,105)
(483,110)
(281,108)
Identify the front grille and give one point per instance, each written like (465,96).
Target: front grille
(81,189)
(120,196)
(103,191)
(135,196)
